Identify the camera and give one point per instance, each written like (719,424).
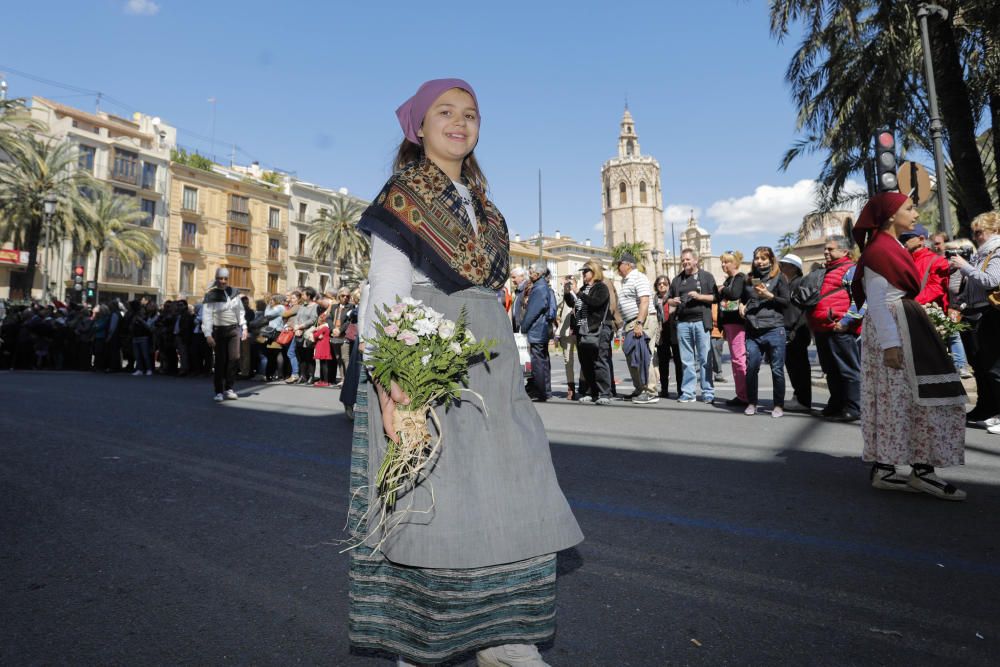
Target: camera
(964,253)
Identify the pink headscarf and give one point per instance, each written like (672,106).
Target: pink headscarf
(411,113)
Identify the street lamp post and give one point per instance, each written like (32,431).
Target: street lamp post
(49,208)
(656,262)
(923,11)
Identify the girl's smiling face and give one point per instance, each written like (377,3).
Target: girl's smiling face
(450,130)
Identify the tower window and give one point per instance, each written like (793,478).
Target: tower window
(642,192)
(622,196)
(628,147)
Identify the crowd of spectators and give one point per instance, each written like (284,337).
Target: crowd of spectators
(769,314)
(143,338)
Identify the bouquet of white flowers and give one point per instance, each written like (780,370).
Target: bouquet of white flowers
(944,325)
(428,356)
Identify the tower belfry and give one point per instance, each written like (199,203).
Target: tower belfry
(632,204)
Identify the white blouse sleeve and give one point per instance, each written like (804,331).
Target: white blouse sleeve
(390,276)
(878,294)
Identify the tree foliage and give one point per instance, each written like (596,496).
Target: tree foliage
(334,234)
(107,223)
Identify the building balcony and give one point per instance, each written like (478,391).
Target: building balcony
(197,211)
(124,176)
(237,250)
(276,229)
(276,256)
(239,217)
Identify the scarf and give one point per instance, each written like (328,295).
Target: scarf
(881,251)
(420,212)
(216,294)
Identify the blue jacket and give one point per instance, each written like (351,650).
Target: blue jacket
(535,321)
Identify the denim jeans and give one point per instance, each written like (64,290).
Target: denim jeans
(293,356)
(143,354)
(840,358)
(772,343)
(957,351)
(695,344)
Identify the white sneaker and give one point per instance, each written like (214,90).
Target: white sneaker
(750,410)
(149,372)
(230,395)
(777,413)
(137,373)
(510,655)
(995,429)
(219,398)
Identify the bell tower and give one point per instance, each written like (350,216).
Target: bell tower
(632,201)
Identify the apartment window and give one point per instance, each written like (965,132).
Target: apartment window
(125,166)
(303,278)
(274,218)
(143,272)
(274,249)
(237,241)
(189,235)
(149,208)
(303,208)
(187,278)
(302,244)
(622,197)
(190,199)
(239,209)
(239,276)
(323,281)
(642,192)
(272,283)
(85,160)
(117,270)
(148,176)
(122,192)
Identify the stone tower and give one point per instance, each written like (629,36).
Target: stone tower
(632,202)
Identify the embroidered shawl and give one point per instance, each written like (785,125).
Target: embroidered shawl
(420,212)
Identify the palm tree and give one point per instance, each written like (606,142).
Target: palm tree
(34,169)
(638,249)
(335,234)
(858,68)
(107,222)
(785,242)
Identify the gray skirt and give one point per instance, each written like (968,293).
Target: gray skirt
(492,496)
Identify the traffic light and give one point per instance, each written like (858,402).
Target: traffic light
(885,162)
(78,278)
(91,289)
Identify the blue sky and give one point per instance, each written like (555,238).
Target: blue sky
(311,87)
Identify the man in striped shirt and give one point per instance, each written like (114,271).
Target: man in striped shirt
(633,303)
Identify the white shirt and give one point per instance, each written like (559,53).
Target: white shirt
(634,286)
(470,210)
(225,313)
(879,294)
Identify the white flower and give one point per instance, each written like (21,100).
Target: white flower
(446,329)
(455,347)
(425,328)
(408,301)
(425,359)
(434,315)
(410,316)
(396,312)
(469,337)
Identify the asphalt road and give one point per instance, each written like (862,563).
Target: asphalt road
(142,524)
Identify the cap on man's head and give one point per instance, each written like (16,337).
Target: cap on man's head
(626,257)
(222,272)
(793,259)
(918,230)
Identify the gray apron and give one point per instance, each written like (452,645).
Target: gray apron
(495,494)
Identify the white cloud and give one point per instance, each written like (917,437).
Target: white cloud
(141,7)
(599,226)
(680,213)
(772,209)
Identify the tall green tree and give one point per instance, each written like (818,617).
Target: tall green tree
(334,234)
(785,243)
(34,168)
(859,67)
(107,222)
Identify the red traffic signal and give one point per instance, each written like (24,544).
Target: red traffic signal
(77,270)
(886,140)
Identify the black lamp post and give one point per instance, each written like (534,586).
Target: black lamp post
(49,209)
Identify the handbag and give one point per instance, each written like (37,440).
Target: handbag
(993,296)
(352,332)
(285,337)
(592,341)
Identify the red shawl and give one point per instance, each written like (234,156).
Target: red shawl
(882,252)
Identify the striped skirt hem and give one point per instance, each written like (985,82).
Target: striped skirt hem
(432,615)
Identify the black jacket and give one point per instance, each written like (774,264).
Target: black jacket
(762,314)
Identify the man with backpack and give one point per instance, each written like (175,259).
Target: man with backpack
(836,325)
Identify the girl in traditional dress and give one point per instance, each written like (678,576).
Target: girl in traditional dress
(472,566)
(912,405)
